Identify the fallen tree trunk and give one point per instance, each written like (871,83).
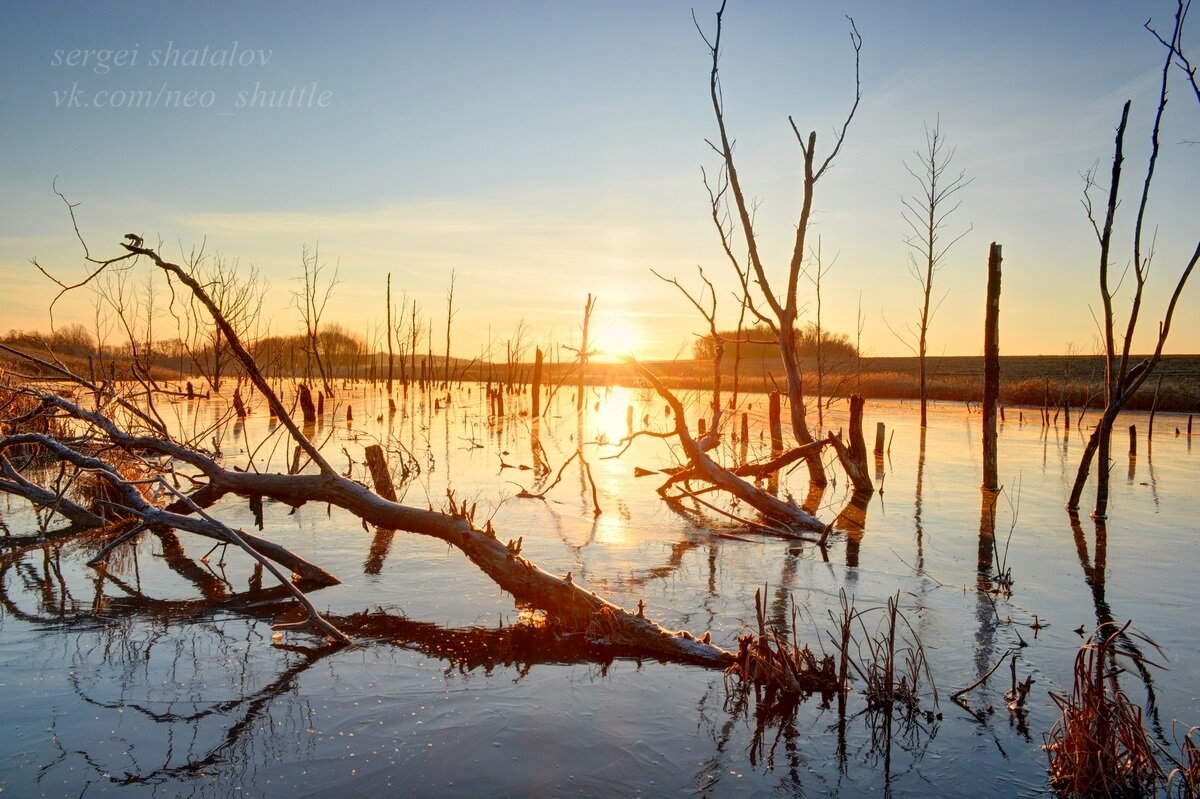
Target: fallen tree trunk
(570,606)
(702,467)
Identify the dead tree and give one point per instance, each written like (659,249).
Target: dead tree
(310,302)
(138,492)
(782,307)
(1123,377)
(389,335)
(449,320)
(926,213)
(238,293)
(584,354)
(782,517)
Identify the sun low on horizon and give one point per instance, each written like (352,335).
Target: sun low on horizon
(616,338)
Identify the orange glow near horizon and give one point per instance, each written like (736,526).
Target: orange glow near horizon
(615,338)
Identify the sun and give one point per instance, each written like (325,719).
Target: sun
(616,337)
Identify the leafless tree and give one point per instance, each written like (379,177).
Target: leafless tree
(140,496)
(449,320)
(1122,377)
(584,354)
(830,360)
(389,333)
(238,293)
(782,305)
(926,213)
(414,331)
(310,301)
(515,348)
(781,516)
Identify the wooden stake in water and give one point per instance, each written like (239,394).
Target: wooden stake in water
(1132,440)
(380,475)
(991,370)
(1153,408)
(879,436)
(777,424)
(535,395)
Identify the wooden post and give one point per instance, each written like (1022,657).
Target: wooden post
(1046,403)
(880,434)
(629,418)
(776,424)
(991,370)
(583,353)
(701,426)
(1153,408)
(854,457)
(1133,440)
(745,427)
(389,334)
(306,404)
(377,463)
(536,393)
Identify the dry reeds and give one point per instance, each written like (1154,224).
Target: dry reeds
(783,669)
(1099,747)
(891,660)
(22,412)
(1184,779)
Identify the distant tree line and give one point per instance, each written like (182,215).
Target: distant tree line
(68,340)
(284,355)
(758,343)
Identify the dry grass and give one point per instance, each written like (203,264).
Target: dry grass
(1099,747)
(782,669)
(1184,779)
(889,660)
(1025,380)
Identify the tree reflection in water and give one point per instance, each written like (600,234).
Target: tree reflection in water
(188,689)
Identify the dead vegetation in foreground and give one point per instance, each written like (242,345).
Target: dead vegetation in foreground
(1100,746)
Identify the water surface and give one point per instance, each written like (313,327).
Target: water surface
(161,677)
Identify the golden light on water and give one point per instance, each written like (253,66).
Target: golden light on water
(611,529)
(610,422)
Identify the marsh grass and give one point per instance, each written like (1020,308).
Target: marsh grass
(1100,746)
(889,660)
(778,666)
(1184,779)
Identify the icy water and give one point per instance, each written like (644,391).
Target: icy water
(161,677)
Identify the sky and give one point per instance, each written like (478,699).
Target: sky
(539,152)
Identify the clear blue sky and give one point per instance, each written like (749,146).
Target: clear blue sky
(547,150)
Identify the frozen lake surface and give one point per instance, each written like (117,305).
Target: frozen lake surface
(161,677)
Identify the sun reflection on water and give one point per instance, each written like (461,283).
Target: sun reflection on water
(615,416)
